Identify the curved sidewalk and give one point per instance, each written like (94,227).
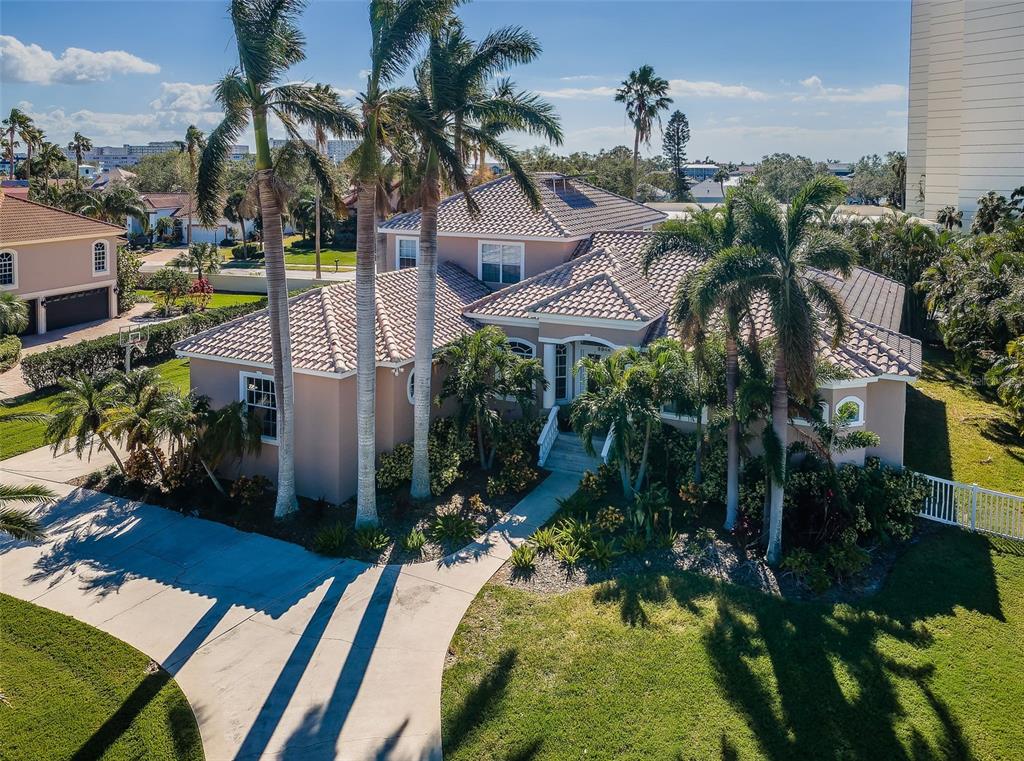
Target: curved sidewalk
(281,653)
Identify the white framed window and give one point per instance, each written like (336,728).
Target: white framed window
(100,258)
(8,269)
(258,393)
(410,387)
(853,407)
(521,348)
(500,262)
(561,373)
(407,252)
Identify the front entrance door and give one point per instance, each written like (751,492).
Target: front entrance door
(593,351)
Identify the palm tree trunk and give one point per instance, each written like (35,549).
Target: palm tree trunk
(317,245)
(426,294)
(698,473)
(213,478)
(109,447)
(277,308)
(10,155)
(366,359)
(643,459)
(636,160)
(480,442)
(28,163)
(780,422)
(732,476)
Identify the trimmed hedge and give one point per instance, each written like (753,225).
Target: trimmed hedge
(10,350)
(101,354)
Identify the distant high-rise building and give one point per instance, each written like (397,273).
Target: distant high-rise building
(337,150)
(966,108)
(110,156)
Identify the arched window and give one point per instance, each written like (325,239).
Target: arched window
(8,272)
(851,409)
(522,349)
(410,389)
(99,257)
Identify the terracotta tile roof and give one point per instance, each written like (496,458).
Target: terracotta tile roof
(165,200)
(323,323)
(569,208)
(24,220)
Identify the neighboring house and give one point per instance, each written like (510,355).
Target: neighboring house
(559,287)
(64,265)
(108,178)
(176,206)
(840,169)
(699,172)
(966,104)
(710,191)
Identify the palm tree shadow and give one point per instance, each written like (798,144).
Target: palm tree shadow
(928,450)
(480,702)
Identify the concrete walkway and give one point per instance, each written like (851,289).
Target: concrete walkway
(281,653)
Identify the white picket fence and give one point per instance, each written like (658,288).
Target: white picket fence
(972,507)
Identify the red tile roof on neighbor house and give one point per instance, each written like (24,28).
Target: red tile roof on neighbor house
(323,323)
(570,208)
(165,200)
(22,220)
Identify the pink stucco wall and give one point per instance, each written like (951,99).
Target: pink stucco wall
(47,267)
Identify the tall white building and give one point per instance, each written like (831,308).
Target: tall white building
(337,150)
(110,156)
(966,111)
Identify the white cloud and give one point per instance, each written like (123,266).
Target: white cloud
(579,93)
(184,96)
(582,77)
(684,88)
(34,65)
(881,93)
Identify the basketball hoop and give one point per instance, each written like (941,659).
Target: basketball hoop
(131,338)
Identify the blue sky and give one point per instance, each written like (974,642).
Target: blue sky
(826,79)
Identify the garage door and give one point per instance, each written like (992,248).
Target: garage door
(73,308)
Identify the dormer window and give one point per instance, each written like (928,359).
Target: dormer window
(501,262)
(408,252)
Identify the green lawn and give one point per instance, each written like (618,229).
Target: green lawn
(216,300)
(72,691)
(21,436)
(953,431)
(682,667)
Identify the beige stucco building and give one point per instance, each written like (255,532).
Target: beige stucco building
(64,265)
(563,282)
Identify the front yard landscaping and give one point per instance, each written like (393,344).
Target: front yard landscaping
(216,300)
(68,690)
(681,666)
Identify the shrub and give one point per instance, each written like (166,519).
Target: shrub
(599,484)
(569,554)
(574,531)
(99,355)
(225,242)
(452,528)
(650,508)
(666,539)
(169,283)
(10,350)
(395,468)
(140,466)
(515,475)
(248,490)
(545,540)
(128,278)
(524,559)
(609,519)
(332,540)
(414,541)
(602,552)
(372,539)
(448,452)
(476,504)
(577,503)
(244,251)
(199,294)
(634,543)
(807,569)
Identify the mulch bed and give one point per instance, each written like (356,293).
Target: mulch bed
(398,514)
(715,555)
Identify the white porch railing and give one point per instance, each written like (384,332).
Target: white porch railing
(547,437)
(606,450)
(972,507)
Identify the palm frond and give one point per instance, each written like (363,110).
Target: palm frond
(816,194)
(500,49)
(233,95)
(760,219)
(828,302)
(20,525)
(397,29)
(827,251)
(317,106)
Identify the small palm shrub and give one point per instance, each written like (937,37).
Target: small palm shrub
(524,559)
(574,531)
(609,519)
(414,541)
(602,552)
(545,540)
(634,543)
(372,539)
(452,528)
(332,540)
(569,553)
(665,540)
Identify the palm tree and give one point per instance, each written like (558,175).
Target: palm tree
(140,394)
(623,400)
(195,142)
(320,141)
(201,257)
(163,228)
(453,93)
(79,145)
(13,314)
(114,205)
(16,523)
(482,370)
(949,217)
(81,410)
(780,253)
(992,209)
(50,157)
(646,96)
(32,137)
(269,42)
(15,122)
(397,28)
(234,209)
(705,235)
(720,176)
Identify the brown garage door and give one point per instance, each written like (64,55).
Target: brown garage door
(73,308)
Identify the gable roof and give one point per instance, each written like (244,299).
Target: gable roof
(323,323)
(165,200)
(570,208)
(23,220)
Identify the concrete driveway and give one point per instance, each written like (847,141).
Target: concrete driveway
(281,653)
